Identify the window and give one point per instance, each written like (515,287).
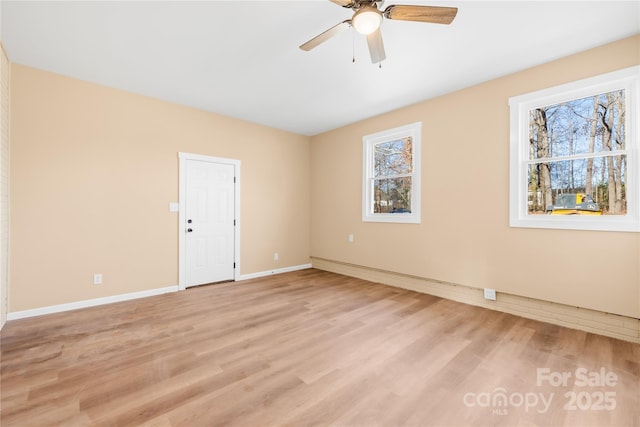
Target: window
(574,155)
(391,175)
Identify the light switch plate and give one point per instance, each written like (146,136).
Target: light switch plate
(174,207)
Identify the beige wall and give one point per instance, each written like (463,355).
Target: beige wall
(4,184)
(465,237)
(94,169)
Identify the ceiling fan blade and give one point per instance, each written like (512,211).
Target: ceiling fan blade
(323,37)
(432,14)
(376,47)
(343,3)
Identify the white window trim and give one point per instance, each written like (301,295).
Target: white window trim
(414,131)
(627,79)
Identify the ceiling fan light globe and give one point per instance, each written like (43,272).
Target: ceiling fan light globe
(367,20)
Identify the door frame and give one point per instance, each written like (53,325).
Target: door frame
(182,253)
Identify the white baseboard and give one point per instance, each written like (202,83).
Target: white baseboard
(276,271)
(134,295)
(88,303)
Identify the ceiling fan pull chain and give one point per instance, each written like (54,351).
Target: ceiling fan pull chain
(353,46)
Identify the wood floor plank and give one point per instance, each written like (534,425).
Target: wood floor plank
(307,348)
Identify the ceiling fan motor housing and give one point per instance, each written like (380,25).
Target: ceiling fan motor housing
(359,4)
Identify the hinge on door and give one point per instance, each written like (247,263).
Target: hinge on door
(234,222)
(234,265)
(234,179)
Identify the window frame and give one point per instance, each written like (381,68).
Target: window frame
(413,130)
(627,79)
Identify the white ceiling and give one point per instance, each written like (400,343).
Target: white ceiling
(241,58)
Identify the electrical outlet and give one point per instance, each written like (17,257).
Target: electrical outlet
(97,279)
(276,256)
(490,294)
(350,238)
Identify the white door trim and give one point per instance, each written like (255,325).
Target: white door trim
(181,215)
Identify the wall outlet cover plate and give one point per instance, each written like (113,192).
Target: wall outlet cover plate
(490,294)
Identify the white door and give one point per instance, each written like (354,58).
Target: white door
(209,222)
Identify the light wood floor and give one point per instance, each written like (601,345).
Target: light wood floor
(308,348)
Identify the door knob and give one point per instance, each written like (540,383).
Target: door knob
(189,230)
(189,221)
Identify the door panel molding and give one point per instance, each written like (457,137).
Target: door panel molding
(182,253)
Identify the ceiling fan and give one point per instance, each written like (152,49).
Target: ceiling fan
(368,18)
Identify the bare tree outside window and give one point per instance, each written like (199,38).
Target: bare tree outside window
(393,165)
(578,157)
